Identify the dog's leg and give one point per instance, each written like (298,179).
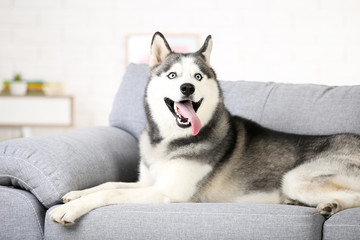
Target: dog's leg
(144,181)
(338,199)
(69,212)
(289,201)
(329,199)
(70,196)
(176,181)
(329,193)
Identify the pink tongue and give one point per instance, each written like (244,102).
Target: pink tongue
(187,111)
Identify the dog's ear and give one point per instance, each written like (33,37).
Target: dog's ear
(159,49)
(206,48)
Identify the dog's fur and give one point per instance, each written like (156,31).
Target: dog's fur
(228,158)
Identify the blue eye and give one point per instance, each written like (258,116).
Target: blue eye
(172,75)
(198,76)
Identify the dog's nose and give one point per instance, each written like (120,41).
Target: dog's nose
(187,89)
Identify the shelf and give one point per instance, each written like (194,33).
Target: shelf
(28,111)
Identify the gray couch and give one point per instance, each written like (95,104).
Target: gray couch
(36,172)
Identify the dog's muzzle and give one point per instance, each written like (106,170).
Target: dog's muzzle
(185,112)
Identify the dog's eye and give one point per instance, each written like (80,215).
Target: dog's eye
(198,76)
(172,75)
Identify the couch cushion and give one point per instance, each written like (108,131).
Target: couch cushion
(294,108)
(192,221)
(49,166)
(343,225)
(22,215)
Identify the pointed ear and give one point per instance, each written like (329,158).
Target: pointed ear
(159,49)
(206,48)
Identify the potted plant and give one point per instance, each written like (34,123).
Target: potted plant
(18,86)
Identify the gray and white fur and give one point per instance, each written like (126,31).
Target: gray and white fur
(193,150)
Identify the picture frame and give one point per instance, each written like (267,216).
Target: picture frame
(138,45)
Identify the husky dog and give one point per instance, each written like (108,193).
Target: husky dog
(193,150)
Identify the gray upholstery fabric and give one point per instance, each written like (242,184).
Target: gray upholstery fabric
(193,221)
(52,165)
(128,108)
(343,225)
(22,215)
(294,108)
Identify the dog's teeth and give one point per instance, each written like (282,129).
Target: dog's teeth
(183,123)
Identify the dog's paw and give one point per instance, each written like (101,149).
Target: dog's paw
(289,201)
(65,214)
(327,209)
(72,196)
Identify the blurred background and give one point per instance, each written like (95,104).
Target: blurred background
(80,48)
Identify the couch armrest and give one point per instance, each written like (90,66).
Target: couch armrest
(51,165)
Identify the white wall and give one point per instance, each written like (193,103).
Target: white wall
(82,42)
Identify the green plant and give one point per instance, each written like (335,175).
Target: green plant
(17,78)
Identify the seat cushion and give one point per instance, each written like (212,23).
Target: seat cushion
(193,221)
(343,225)
(22,215)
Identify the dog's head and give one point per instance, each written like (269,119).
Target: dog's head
(183,92)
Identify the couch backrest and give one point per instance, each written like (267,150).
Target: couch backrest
(294,108)
(128,106)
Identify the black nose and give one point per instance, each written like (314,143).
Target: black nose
(187,89)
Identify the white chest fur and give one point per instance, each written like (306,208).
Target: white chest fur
(176,177)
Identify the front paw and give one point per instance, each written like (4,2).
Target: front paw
(65,214)
(72,196)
